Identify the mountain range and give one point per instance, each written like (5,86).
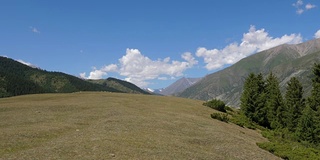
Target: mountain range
(18,79)
(285,61)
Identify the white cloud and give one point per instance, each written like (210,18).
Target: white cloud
(97,74)
(253,41)
(298,3)
(34,29)
(83,75)
(317,34)
(27,63)
(138,68)
(110,68)
(189,58)
(299,6)
(310,6)
(299,11)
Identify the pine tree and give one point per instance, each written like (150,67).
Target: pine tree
(314,102)
(307,129)
(249,96)
(253,99)
(294,102)
(314,99)
(260,114)
(274,103)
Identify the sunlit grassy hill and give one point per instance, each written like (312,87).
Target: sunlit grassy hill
(97,125)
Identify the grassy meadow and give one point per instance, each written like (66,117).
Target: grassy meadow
(101,125)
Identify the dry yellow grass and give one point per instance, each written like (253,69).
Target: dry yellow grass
(96,125)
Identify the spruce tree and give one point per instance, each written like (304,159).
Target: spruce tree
(260,114)
(253,99)
(307,128)
(249,96)
(294,102)
(274,103)
(314,101)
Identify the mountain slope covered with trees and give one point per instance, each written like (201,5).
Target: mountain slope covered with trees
(120,85)
(19,79)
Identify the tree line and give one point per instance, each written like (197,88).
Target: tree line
(263,103)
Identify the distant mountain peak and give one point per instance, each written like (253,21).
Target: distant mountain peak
(180,85)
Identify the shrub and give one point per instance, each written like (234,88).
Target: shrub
(220,116)
(216,104)
(242,121)
(290,150)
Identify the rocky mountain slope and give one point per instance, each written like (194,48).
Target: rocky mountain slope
(180,85)
(285,61)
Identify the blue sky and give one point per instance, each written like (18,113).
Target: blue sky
(149,43)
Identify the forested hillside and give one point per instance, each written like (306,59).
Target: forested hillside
(120,85)
(18,79)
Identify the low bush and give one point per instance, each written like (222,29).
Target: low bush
(290,150)
(216,104)
(285,145)
(220,116)
(242,121)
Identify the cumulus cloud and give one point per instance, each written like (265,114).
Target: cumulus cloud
(252,42)
(34,29)
(99,73)
(317,34)
(27,63)
(138,68)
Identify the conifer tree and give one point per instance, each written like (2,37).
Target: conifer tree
(274,103)
(253,99)
(260,114)
(294,102)
(307,129)
(249,96)
(314,102)
(314,99)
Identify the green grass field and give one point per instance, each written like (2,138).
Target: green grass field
(99,125)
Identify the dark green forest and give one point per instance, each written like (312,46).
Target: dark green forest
(292,121)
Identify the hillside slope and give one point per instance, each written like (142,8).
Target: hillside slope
(120,85)
(18,79)
(284,61)
(103,125)
(180,85)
